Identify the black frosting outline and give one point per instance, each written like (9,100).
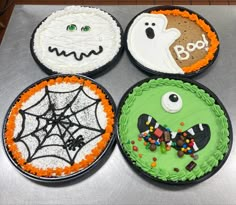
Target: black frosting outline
(81,56)
(152,72)
(156,180)
(93,73)
(79,174)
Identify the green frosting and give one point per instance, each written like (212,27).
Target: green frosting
(198,107)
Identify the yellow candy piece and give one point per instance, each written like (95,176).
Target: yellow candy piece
(182,149)
(188,148)
(187,141)
(147,123)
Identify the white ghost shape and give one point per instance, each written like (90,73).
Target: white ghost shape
(154,52)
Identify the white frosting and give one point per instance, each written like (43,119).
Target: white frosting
(201,127)
(53,32)
(169,105)
(86,118)
(153,53)
(191,131)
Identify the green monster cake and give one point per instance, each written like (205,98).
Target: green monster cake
(173,130)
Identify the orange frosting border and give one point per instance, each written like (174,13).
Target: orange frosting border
(88,159)
(214,42)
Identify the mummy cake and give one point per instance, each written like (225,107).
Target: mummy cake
(59,127)
(77,40)
(173,130)
(171,40)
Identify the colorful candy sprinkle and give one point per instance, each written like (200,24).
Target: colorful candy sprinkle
(179,130)
(180,153)
(182,123)
(163,147)
(191,166)
(153,164)
(152,147)
(135,148)
(168,148)
(154,159)
(176,169)
(132,142)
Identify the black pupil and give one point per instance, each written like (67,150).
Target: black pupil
(173,98)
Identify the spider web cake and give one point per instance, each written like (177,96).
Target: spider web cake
(59,126)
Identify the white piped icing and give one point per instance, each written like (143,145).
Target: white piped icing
(153,53)
(195,147)
(104,32)
(191,131)
(173,135)
(149,119)
(171,102)
(201,127)
(184,54)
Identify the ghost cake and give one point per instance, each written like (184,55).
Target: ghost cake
(77,40)
(181,134)
(172,40)
(59,128)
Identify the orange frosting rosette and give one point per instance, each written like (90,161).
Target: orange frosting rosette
(59,171)
(214,42)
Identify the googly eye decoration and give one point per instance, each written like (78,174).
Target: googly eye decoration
(171,102)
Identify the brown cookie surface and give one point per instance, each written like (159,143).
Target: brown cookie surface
(190,33)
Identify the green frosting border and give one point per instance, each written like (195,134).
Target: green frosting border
(199,171)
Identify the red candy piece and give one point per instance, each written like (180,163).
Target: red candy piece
(191,144)
(158,132)
(135,148)
(132,142)
(154,159)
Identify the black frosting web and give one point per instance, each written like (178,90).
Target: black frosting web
(72,123)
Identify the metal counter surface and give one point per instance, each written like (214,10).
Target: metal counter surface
(114,182)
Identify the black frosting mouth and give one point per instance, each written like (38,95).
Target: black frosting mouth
(198,134)
(78,58)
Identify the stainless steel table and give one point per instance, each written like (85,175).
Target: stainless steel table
(115,182)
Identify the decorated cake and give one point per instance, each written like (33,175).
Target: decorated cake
(173,130)
(59,127)
(76,40)
(171,40)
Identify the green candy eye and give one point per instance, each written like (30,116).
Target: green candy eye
(71,27)
(85,28)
